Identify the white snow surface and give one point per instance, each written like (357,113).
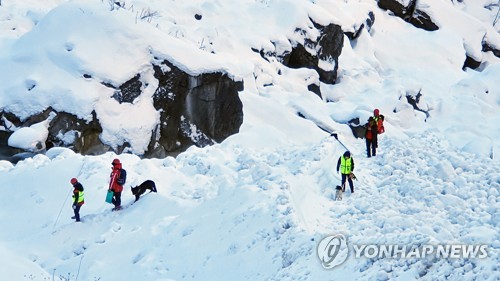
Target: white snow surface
(255,206)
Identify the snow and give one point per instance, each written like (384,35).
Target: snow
(471,29)
(256,206)
(28,138)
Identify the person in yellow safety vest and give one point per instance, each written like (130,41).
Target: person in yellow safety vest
(78,197)
(346,165)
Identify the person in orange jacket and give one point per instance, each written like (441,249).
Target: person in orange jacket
(78,198)
(116,181)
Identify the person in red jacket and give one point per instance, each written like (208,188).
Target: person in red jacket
(116,183)
(77,198)
(371,137)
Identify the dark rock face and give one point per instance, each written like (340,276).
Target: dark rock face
(394,6)
(194,110)
(368,23)
(211,105)
(12,120)
(168,99)
(422,20)
(487,48)
(300,57)
(66,130)
(414,100)
(7,121)
(129,91)
(358,130)
(315,89)
(328,48)
(308,53)
(37,118)
(7,152)
(370,20)
(471,63)
(409,13)
(354,35)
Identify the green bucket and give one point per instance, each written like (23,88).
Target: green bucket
(109,196)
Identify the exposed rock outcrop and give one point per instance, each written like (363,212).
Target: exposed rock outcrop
(327,47)
(414,100)
(367,24)
(409,13)
(320,54)
(194,110)
(66,130)
(358,130)
(489,48)
(129,90)
(471,63)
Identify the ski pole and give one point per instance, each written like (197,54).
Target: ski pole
(335,135)
(60,211)
(79,265)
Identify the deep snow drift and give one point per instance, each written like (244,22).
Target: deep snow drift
(255,206)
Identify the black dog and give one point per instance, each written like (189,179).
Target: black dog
(140,189)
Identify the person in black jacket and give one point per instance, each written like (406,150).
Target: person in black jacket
(371,137)
(77,198)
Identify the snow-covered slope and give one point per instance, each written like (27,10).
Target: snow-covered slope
(255,206)
(230,212)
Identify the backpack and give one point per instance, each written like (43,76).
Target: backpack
(123,177)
